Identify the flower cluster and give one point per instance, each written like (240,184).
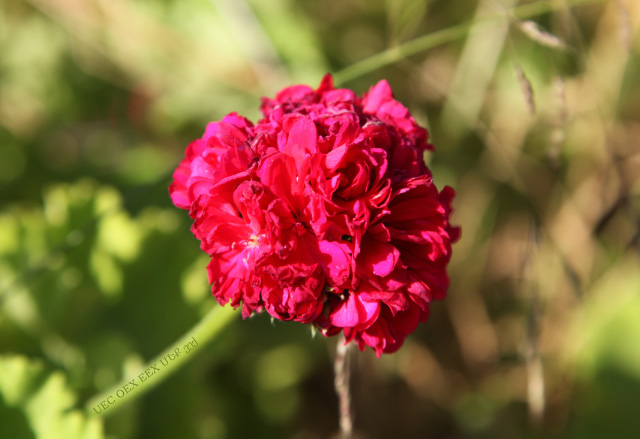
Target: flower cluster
(324,212)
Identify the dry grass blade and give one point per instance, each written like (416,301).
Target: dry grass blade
(536,398)
(625,24)
(262,56)
(559,125)
(527,88)
(475,70)
(541,36)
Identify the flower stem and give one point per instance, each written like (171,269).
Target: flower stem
(164,365)
(341,368)
(434,39)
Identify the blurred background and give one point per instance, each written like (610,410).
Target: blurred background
(534,110)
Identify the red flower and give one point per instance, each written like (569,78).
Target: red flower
(323,213)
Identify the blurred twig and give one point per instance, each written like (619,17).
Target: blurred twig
(437,38)
(261,54)
(341,369)
(202,333)
(535,371)
(625,24)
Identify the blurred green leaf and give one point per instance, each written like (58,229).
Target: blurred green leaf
(35,403)
(606,328)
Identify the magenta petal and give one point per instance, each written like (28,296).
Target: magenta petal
(278,172)
(178,190)
(341,94)
(355,313)
(303,135)
(395,300)
(336,260)
(302,141)
(379,94)
(377,336)
(334,158)
(293,93)
(229,135)
(237,120)
(200,168)
(378,257)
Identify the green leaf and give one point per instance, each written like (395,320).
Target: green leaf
(35,403)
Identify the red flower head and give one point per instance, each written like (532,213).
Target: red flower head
(323,213)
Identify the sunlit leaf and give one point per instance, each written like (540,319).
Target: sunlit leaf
(35,403)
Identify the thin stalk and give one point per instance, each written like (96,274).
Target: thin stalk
(434,39)
(341,368)
(164,365)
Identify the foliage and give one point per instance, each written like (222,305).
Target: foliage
(27,391)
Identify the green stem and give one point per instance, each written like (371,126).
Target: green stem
(164,365)
(447,35)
